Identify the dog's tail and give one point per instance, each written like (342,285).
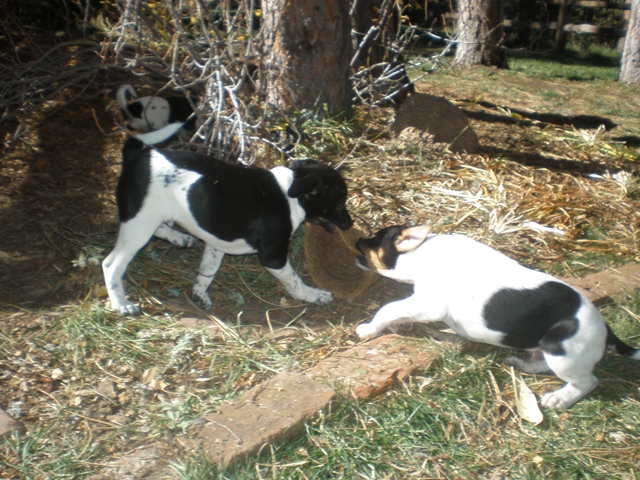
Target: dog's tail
(138,142)
(620,347)
(124,92)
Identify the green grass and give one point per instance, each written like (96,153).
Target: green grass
(456,421)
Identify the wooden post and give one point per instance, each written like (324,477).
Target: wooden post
(561,37)
(625,26)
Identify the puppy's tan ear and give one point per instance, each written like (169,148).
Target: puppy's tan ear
(412,237)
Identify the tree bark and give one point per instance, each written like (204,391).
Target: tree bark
(630,64)
(480,32)
(307,50)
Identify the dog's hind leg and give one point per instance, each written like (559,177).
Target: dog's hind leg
(131,238)
(211,260)
(295,287)
(176,238)
(572,353)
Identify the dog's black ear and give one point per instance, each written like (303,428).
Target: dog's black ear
(304,185)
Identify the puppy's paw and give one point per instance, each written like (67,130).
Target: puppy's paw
(366,330)
(568,395)
(127,309)
(189,241)
(312,295)
(202,300)
(322,297)
(531,365)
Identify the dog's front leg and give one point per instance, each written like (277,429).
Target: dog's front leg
(409,310)
(295,287)
(211,260)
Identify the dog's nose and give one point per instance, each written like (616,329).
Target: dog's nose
(346,222)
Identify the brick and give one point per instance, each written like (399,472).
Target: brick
(8,425)
(614,283)
(270,413)
(371,369)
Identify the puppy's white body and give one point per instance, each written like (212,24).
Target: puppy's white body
(487,297)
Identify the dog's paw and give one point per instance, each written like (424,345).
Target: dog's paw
(568,395)
(321,297)
(312,295)
(188,241)
(127,309)
(202,300)
(366,330)
(531,365)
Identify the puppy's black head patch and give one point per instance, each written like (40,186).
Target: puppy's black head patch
(322,192)
(381,251)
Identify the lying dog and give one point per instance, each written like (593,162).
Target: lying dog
(233,209)
(153,113)
(487,297)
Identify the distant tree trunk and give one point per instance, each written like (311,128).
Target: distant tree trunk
(630,66)
(480,32)
(307,50)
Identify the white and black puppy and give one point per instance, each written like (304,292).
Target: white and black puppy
(233,209)
(487,297)
(153,113)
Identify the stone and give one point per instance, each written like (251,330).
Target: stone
(371,369)
(8,424)
(440,118)
(610,284)
(270,413)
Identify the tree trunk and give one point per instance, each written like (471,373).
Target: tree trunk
(307,49)
(480,33)
(630,65)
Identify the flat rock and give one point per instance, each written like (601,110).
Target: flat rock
(270,413)
(371,369)
(611,284)
(9,424)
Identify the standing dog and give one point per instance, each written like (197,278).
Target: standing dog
(233,209)
(153,113)
(487,297)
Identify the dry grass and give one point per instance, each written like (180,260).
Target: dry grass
(91,386)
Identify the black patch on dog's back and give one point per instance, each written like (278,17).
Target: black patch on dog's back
(234,202)
(134,180)
(527,316)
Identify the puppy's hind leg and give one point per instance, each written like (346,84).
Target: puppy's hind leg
(572,354)
(211,260)
(176,238)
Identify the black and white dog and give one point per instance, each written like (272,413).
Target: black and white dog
(149,113)
(233,209)
(487,297)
